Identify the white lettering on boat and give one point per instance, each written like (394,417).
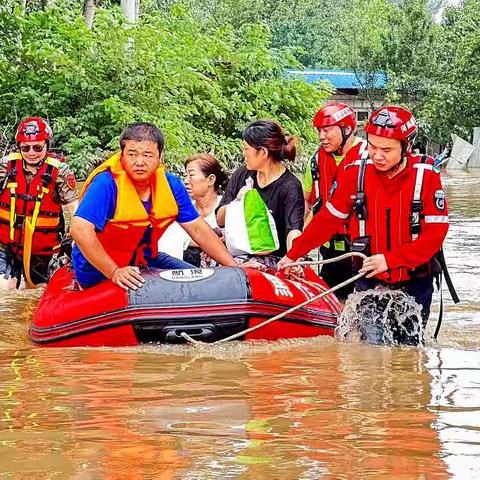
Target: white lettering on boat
(281,289)
(187,274)
(304,289)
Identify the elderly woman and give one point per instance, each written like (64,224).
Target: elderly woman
(204,180)
(265,149)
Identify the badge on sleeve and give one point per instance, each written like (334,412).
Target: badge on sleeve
(439,199)
(71,182)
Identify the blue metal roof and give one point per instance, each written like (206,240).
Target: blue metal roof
(340,79)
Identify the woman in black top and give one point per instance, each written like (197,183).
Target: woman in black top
(265,148)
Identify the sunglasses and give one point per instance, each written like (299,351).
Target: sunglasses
(36,148)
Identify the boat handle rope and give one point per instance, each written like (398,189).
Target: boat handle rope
(187,337)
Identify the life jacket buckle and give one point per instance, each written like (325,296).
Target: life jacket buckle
(19,221)
(415,223)
(415,209)
(416,206)
(317,206)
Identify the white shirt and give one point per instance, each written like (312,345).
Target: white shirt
(175,239)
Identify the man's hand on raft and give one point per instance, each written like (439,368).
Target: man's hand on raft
(374,265)
(127,277)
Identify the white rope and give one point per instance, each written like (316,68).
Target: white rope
(188,338)
(296,307)
(328,260)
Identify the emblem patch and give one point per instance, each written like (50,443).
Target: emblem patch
(71,182)
(439,199)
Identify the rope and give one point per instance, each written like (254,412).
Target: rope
(328,260)
(296,307)
(188,338)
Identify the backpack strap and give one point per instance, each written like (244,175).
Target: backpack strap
(315,171)
(360,202)
(416,205)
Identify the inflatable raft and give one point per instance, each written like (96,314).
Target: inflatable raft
(207,304)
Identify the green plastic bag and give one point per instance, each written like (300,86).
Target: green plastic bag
(249,226)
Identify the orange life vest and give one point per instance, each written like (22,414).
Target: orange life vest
(122,234)
(33,202)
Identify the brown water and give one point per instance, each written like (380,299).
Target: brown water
(301,409)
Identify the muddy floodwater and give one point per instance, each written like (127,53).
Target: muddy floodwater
(302,409)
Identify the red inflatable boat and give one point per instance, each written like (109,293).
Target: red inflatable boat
(207,304)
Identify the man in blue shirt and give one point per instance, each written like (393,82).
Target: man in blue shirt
(127,204)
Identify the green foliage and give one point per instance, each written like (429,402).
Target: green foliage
(432,68)
(309,27)
(202,70)
(453,102)
(200,83)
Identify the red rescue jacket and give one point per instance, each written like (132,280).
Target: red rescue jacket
(18,201)
(122,234)
(389,216)
(324,169)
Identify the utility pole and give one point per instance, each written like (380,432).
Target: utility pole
(130,9)
(89,7)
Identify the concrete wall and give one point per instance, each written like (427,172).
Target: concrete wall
(474,161)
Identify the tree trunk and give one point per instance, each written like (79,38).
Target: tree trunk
(89,12)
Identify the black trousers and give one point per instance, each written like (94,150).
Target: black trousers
(338,272)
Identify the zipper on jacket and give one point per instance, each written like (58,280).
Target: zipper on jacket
(387,216)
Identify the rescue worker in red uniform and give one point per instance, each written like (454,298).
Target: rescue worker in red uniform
(395,207)
(336,124)
(35,183)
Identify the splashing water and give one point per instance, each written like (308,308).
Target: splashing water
(381,317)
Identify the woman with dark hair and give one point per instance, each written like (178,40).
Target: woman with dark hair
(205,180)
(265,149)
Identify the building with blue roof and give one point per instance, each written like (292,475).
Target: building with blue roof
(361,93)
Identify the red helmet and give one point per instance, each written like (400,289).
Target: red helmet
(393,122)
(33,129)
(335,113)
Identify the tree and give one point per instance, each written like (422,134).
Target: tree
(200,84)
(453,102)
(362,32)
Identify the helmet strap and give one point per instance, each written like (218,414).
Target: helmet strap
(345,137)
